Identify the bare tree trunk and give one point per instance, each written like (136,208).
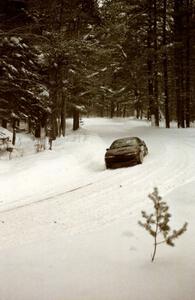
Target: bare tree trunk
(75,119)
(165,66)
(124,111)
(188,58)
(14,132)
(29,125)
(150,66)
(63,117)
(178,57)
(156,103)
(111,109)
(182,113)
(152,62)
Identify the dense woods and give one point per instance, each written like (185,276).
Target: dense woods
(110,58)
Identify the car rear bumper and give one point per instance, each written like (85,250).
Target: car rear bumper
(117,162)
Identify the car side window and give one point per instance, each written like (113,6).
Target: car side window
(140,142)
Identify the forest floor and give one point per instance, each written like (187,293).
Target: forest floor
(69,227)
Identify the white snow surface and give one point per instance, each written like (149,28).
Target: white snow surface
(69,227)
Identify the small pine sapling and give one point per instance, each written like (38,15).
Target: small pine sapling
(157,223)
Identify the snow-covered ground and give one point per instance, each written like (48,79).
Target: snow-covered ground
(68,226)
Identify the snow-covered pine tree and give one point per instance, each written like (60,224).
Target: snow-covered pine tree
(22,92)
(157,223)
(63,27)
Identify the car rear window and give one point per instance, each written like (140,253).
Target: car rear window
(124,143)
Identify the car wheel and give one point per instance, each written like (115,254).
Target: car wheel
(140,157)
(146,151)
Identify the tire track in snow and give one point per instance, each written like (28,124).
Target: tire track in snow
(97,204)
(113,210)
(117,177)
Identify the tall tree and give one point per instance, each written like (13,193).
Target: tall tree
(188,59)
(179,60)
(165,65)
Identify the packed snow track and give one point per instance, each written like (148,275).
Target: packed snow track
(67,192)
(80,193)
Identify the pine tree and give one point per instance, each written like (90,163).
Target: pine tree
(21,91)
(157,223)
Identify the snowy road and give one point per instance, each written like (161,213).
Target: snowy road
(53,201)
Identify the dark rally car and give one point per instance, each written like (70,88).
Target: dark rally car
(125,152)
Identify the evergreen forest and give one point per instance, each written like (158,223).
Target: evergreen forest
(109,58)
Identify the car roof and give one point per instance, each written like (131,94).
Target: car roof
(127,138)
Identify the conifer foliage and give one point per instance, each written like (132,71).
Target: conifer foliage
(157,223)
(21,91)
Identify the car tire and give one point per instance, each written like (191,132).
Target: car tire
(146,152)
(140,157)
